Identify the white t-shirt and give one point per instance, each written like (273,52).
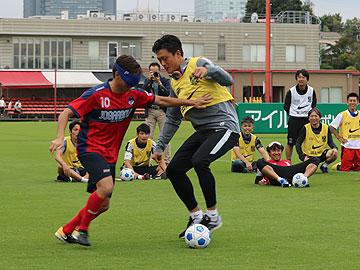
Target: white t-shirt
(2,103)
(351,144)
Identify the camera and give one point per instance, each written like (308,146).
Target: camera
(156,74)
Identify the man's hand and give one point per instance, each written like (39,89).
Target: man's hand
(262,182)
(342,140)
(157,156)
(200,72)
(200,102)
(249,166)
(56,144)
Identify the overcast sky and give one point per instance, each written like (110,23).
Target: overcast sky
(347,8)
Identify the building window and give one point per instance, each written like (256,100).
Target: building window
(193,50)
(131,48)
(221,52)
(256,53)
(331,94)
(112,53)
(295,53)
(39,53)
(94,50)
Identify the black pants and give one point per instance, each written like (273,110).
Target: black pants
(198,151)
(287,172)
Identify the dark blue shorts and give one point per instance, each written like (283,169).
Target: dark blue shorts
(98,168)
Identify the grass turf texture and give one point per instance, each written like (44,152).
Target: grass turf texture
(264,227)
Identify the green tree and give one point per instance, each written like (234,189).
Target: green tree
(259,7)
(331,23)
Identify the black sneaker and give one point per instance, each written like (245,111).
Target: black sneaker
(83,238)
(61,179)
(182,234)
(210,224)
(147,176)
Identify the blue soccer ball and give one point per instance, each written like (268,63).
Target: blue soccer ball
(127,174)
(197,236)
(300,180)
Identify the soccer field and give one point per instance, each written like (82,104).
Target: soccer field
(264,227)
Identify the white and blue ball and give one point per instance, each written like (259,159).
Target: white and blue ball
(127,174)
(197,236)
(300,180)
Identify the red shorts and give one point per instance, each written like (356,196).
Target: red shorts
(350,159)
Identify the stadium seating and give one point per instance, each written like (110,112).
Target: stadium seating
(43,108)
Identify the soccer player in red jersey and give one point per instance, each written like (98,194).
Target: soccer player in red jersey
(106,111)
(279,172)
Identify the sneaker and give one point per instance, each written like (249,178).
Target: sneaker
(65,237)
(76,232)
(336,167)
(212,225)
(324,169)
(284,183)
(83,238)
(161,176)
(60,179)
(190,222)
(146,176)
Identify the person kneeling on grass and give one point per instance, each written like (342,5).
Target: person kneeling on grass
(280,172)
(137,156)
(70,168)
(315,138)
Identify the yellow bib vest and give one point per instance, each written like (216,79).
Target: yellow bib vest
(141,157)
(350,127)
(247,150)
(315,144)
(189,87)
(70,154)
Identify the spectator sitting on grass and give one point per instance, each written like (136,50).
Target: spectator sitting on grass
(280,172)
(70,168)
(243,154)
(137,156)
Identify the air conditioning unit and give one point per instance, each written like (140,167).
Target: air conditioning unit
(109,17)
(186,18)
(174,18)
(142,17)
(153,17)
(93,13)
(198,20)
(128,17)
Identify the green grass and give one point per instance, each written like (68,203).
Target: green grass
(264,227)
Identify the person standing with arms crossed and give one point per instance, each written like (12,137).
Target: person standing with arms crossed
(106,111)
(216,127)
(158,85)
(299,100)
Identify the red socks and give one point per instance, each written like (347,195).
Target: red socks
(91,210)
(84,217)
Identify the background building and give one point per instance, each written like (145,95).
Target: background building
(75,8)
(220,10)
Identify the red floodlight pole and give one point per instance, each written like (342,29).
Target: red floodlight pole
(55,95)
(267,60)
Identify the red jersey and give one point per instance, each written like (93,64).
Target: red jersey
(105,117)
(282,162)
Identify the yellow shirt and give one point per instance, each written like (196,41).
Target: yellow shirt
(247,150)
(350,127)
(315,144)
(141,157)
(189,87)
(70,154)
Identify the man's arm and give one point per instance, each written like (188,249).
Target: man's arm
(299,142)
(198,103)
(263,153)
(340,139)
(209,70)
(62,122)
(331,143)
(242,158)
(287,102)
(164,89)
